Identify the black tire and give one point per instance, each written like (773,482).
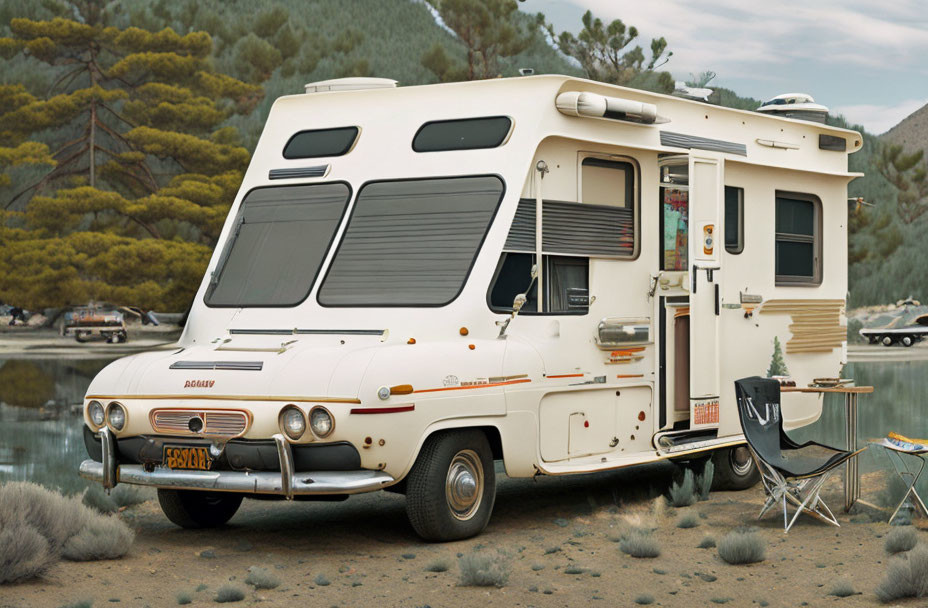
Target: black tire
(887,340)
(440,509)
(735,469)
(907,340)
(198,509)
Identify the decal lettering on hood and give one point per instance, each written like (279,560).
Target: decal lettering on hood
(199,383)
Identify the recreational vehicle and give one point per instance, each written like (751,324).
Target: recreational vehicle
(415,282)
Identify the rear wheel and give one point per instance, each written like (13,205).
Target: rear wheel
(887,340)
(197,509)
(735,469)
(907,341)
(451,488)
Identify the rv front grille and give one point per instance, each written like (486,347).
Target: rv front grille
(215,423)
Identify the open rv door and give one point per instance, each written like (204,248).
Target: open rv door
(705,245)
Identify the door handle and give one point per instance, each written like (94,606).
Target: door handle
(717,300)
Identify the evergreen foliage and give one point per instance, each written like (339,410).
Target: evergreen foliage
(777,364)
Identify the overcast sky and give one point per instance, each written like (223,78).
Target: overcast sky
(863,59)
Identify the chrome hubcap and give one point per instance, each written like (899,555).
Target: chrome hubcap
(464,484)
(741,462)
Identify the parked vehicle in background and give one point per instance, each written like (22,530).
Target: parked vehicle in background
(906,336)
(95,321)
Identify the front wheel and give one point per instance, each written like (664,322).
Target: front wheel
(198,509)
(451,488)
(907,341)
(887,340)
(734,468)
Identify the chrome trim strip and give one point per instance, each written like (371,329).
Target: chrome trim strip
(312,332)
(256,366)
(290,173)
(176,397)
(247,482)
(109,475)
(286,465)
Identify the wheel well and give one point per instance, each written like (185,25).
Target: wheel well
(492,433)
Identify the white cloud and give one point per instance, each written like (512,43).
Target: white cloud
(879,119)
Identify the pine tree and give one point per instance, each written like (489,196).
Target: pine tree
(909,174)
(777,364)
(605,54)
(141,172)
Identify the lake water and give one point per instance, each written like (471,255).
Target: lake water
(49,450)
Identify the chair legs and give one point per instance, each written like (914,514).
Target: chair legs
(803,494)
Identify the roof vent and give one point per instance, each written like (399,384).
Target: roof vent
(350,84)
(795,105)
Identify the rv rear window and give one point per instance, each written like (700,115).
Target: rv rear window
(280,237)
(798,239)
(411,242)
(321,142)
(465,134)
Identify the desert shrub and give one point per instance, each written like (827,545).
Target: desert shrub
(228,593)
(842,588)
(261,578)
(574,569)
(101,537)
(707,542)
(639,542)
(683,494)
(123,495)
(95,498)
(742,547)
(439,565)
(322,580)
(704,481)
(484,569)
(893,488)
(68,528)
(24,553)
(644,599)
(690,520)
(900,539)
(183,598)
(906,577)
(79,604)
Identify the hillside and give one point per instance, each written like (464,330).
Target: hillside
(911,133)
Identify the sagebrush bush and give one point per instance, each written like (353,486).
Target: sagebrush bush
(184,597)
(704,481)
(439,565)
(322,580)
(907,577)
(484,569)
(228,593)
(900,539)
(683,494)
(67,529)
(261,578)
(639,542)
(101,538)
(742,547)
(644,599)
(707,542)
(842,588)
(689,520)
(24,553)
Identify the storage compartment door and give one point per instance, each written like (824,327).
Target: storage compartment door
(706,189)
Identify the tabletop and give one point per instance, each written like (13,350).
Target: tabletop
(860,390)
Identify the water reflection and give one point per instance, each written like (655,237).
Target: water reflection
(40,429)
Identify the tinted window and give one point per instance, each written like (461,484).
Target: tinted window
(411,243)
(798,239)
(734,219)
(566,284)
(467,134)
(321,142)
(280,238)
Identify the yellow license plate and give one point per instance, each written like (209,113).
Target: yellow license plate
(186,458)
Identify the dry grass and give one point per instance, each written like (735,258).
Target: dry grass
(901,539)
(742,547)
(683,494)
(101,538)
(228,593)
(262,578)
(484,569)
(704,481)
(24,553)
(906,577)
(639,542)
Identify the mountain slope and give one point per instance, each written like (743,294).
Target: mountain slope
(911,133)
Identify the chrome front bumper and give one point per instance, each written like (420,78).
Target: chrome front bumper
(286,483)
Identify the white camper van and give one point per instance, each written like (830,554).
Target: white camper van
(413,282)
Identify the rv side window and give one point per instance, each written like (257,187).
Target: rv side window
(734,219)
(321,142)
(565,279)
(411,242)
(464,134)
(607,182)
(798,239)
(280,237)
(675,203)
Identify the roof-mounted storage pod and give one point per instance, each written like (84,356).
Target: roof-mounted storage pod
(593,105)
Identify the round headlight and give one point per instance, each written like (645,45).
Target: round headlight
(116,416)
(95,413)
(320,420)
(292,422)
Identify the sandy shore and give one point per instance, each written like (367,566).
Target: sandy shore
(559,535)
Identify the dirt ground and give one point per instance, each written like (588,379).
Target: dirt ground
(369,554)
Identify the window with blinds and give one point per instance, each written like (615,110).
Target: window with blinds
(280,237)
(798,239)
(411,242)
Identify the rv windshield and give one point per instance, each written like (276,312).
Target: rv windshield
(280,237)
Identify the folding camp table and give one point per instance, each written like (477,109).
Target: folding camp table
(851,476)
(896,453)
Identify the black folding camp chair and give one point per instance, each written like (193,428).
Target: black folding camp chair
(790,472)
